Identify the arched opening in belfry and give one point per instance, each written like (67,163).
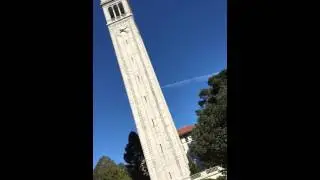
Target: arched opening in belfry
(121,8)
(111,12)
(115,7)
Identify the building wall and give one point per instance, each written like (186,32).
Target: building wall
(186,141)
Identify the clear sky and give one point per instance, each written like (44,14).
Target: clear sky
(186,41)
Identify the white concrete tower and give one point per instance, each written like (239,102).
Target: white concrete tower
(165,157)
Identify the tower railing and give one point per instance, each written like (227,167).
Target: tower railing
(211,172)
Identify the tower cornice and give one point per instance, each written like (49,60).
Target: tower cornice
(103,2)
(115,22)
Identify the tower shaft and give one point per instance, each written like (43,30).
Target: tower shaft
(162,148)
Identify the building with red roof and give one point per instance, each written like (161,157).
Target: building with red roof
(185,136)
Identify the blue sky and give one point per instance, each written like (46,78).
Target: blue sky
(186,41)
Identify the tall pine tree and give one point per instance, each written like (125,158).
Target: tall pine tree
(210,132)
(134,158)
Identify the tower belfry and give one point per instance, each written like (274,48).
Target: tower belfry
(162,148)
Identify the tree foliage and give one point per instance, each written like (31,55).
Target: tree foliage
(210,132)
(136,164)
(222,178)
(106,169)
(194,168)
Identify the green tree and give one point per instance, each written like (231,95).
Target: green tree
(210,132)
(106,169)
(136,164)
(218,178)
(193,166)
(221,178)
(122,166)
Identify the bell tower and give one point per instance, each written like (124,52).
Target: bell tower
(162,148)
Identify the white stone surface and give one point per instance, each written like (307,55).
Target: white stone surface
(186,141)
(162,148)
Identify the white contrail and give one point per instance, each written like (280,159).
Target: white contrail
(188,81)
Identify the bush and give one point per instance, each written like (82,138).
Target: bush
(193,167)
(221,178)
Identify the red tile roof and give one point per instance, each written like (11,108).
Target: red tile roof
(185,130)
